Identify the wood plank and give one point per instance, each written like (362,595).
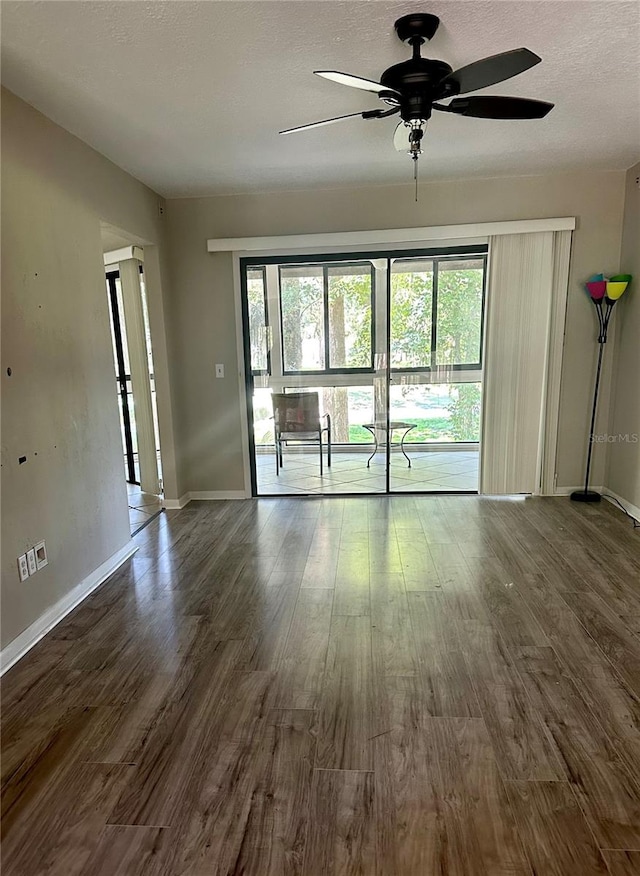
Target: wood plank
(418,566)
(340,839)
(409,822)
(620,646)
(247,811)
(607,790)
(346,721)
(275,837)
(351,596)
(71,811)
(265,634)
(393,645)
(131,849)
(479,823)
(556,837)
(320,569)
(615,705)
(505,607)
(622,863)
(522,746)
(155,795)
(441,663)
(301,667)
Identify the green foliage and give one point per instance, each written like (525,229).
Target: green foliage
(350,320)
(465,412)
(302,319)
(411,299)
(257,319)
(428,429)
(459,315)
(458,318)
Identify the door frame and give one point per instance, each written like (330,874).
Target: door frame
(244,261)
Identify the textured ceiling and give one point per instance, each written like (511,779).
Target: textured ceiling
(189,96)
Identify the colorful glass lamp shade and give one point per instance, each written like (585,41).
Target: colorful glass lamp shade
(617,286)
(597,289)
(607,292)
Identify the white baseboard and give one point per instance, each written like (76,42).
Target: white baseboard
(203,496)
(47,621)
(631,509)
(176,504)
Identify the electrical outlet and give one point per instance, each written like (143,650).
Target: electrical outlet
(41,555)
(31,561)
(23,568)
(219,370)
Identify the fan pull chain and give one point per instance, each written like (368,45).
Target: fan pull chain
(415,173)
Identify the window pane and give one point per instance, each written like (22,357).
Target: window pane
(262,417)
(447,412)
(123,327)
(411,297)
(350,316)
(301,298)
(349,407)
(459,312)
(257,319)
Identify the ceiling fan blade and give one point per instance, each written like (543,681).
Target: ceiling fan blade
(353,81)
(487,71)
(401,138)
(320,124)
(497,107)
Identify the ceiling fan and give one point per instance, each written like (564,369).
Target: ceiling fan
(414,88)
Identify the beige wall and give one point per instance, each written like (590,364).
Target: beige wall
(59,404)
(623,476)
(202,308)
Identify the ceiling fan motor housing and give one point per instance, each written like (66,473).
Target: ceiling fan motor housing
(417,81)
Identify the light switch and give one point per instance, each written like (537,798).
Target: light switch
(219,370)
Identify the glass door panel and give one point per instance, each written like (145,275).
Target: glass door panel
(436,315)
(312,329)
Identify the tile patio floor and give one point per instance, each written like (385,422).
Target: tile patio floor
(431,471)
(143,507)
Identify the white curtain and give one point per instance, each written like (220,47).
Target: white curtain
(525,311)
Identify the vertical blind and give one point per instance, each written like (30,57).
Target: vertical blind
(526,304)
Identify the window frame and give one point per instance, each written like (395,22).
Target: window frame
(326,266)
(434,367)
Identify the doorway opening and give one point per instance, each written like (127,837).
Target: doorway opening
(135,386)
(389,348)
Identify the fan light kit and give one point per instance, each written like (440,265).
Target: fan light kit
(414,87)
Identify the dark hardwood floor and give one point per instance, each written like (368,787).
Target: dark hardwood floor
(399,686)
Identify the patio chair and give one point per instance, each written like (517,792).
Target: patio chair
(297,419)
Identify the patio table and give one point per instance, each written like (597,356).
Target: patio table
(394,425)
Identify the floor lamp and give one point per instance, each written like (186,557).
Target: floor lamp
(604,294)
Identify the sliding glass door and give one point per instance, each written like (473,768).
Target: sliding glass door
(326,414)
(436,318)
